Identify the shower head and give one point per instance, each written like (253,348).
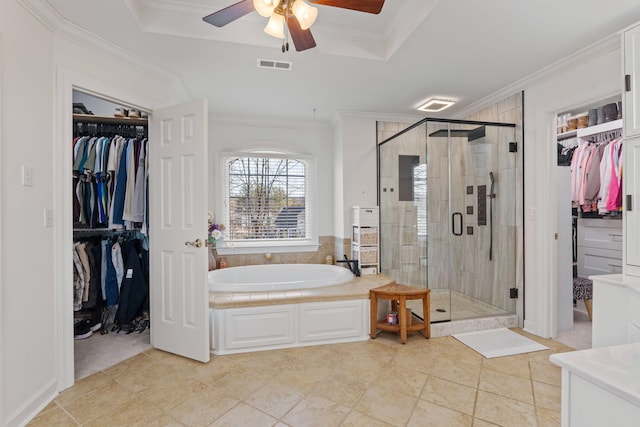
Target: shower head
(473,135)
(493,181)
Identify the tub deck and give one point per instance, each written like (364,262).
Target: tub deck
(256,321)
(358,288)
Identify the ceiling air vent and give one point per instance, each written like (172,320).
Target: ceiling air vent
(275,65)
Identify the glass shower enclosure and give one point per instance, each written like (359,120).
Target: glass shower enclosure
(448,194)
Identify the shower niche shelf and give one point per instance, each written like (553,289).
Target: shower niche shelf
(365,240)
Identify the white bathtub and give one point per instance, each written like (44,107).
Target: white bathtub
(277,277)
(293,322)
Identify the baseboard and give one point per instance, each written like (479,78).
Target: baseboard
(33,406)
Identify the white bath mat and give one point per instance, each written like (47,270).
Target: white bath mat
(498,342)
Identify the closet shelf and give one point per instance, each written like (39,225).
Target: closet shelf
(591,130)
(89,118)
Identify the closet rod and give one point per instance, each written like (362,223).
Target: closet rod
(102,231)
(89,118)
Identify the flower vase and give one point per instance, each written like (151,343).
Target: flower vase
(212,258)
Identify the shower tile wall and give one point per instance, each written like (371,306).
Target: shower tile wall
(406,261)
(473,274)
(508,237)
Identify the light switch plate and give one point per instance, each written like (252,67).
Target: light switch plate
(48,217)
(26,177)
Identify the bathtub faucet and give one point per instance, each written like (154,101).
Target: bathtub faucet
(352,265)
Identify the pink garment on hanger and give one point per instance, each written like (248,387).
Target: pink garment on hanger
(615,185)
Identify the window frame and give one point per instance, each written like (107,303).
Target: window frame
(309,243)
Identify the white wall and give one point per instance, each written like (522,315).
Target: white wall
(34,268)
(338,178)
(311,138)
(26,278)
(589,79)
(357,142)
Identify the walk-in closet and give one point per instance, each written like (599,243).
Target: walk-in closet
(589,147)
(110,233)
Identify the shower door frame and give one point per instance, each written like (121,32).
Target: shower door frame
(449,122)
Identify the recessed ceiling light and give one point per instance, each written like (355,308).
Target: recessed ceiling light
(435,105)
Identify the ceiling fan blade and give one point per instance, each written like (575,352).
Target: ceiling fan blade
(368,6)
(229,13)
(302,39)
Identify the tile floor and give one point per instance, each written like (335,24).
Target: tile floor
(435,382)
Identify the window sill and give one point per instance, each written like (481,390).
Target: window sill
(234,248)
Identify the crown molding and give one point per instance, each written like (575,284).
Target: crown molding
(583,56)
(59,26)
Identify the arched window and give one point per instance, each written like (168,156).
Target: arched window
(268,199)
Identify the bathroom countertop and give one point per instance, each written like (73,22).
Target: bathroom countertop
(358,288)
(618,280)
(615,369)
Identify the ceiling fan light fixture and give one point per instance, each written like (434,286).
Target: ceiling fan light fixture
(305,13)
(275,26)
(435,105)
(265,7)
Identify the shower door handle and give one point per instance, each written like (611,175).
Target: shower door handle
(453,223)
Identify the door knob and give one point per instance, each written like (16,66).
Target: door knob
(197,243)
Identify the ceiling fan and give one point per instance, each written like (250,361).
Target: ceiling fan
(296,14)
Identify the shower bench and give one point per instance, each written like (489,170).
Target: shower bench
(398,295)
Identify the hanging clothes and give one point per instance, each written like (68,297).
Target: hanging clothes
(110,176)
(614,199)
(596,177)
(134,292)
(110,180)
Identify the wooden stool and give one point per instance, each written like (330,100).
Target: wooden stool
(583,289)
(399,294)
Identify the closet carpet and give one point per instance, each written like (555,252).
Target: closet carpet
(99,352)
(435,382)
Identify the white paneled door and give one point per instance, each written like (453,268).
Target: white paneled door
(178,230)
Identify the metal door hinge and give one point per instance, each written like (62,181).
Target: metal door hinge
(629,205)
(627,82)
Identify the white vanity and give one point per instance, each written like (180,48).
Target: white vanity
(601,386)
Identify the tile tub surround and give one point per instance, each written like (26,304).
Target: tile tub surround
(441,383)
(328,245)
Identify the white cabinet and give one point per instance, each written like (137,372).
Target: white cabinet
(599,246)
(631,191)
(610,311)
(365,238)
(600,386)
(631,104)
(631,152)
(616,311)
